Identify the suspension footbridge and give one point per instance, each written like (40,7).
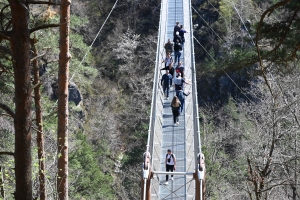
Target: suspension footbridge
(184,139)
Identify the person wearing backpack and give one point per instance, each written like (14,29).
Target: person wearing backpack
(166,81)
(179,81)
(176,29)
(177,49)
(168,60)
(177,37)
(170,164)
(169,47)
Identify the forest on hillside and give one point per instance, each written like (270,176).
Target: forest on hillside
(247,59)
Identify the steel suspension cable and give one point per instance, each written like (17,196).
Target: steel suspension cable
(95,37)
(242,21)
(243,92)
(208,24)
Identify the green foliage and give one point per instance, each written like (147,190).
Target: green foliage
(7,161)
(89,182)
(226,10)
(231,110)
(80,66)
(78,22)
(278,39)
(130,158)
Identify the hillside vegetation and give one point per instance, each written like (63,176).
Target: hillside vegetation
(248,85)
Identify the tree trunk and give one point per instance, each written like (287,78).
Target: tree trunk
(20,47)
(39,122)
(63,76)
(2,191)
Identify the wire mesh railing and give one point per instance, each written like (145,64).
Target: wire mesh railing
(191,126)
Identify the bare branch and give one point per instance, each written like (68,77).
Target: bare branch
(43,27)
(286,31)
(7,110)
(43,2)
(7,153)
(279,184)
(32,59)
(3,36)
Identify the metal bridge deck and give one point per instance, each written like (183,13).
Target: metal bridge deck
(167,136)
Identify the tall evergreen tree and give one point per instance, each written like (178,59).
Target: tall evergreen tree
(63,76)
(20,47)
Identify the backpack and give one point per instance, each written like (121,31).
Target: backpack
(169,160)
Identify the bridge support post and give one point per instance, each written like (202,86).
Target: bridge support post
(197,184)
(200,187)
(146,177)
(199,177)
(146,191)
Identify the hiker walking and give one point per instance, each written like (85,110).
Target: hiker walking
(176,28)
(169,47)
(168,60)
(181,34)
(179,81)
(177,37)
(170,164)
(168,64)
(181,98)
(180,68)
(177,49)
(166,82)
(175,105)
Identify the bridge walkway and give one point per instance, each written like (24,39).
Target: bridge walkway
(184,139)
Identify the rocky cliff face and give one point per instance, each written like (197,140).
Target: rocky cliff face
(214,46)
(216,89)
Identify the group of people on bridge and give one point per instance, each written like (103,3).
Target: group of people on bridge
(176,77)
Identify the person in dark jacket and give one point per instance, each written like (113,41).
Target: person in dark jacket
(170,68)
(181,34)
(175,105)
(166,81)
(176,28)
(177,49)
(177,37)
(169,47)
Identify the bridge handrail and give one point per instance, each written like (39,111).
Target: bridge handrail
(149,147)
(197,139)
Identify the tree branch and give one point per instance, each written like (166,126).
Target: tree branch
(7,153)
(32,59)
(43,27)
(43,2)
(276,185)
(267,12)
(7,110)
(295,52)
(287,29)
(3,36)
